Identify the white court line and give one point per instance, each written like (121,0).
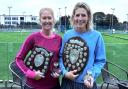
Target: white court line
(116,43)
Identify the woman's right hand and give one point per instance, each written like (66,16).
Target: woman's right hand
(38,75)
(71,75)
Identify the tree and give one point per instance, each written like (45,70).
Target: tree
(98,18)
(65,21)
(101,19)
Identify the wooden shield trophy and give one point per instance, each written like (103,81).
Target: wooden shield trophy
(75,54)
(39,59)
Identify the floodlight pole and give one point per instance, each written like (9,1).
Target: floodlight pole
(31,22)
(65,17)
(60,19)
(113,9)
(96,22)
(9,9)
(24,19)
(127,23)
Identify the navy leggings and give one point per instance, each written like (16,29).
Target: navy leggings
(68,84)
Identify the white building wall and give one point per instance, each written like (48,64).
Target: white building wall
(14,19)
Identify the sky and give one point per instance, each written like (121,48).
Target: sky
(32,7)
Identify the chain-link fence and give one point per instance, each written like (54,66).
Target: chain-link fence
(116,49)
(116,53)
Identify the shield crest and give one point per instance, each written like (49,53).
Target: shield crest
(75,54)
(39,59)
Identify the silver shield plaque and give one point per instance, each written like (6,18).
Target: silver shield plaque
(39,59)
(75,54)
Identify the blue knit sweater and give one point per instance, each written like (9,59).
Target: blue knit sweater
(97,54)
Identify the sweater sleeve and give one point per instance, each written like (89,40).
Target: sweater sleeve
(100,57)
(62,67)
(20,57)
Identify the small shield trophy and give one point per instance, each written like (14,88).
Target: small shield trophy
(56,69)
(75,54)
(39,60)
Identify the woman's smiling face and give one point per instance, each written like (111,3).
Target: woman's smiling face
(47,20)
(80,19)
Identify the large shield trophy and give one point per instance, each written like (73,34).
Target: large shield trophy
(75,54)
(39,60)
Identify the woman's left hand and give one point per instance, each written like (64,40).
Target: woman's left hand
(55,75)
(89,82)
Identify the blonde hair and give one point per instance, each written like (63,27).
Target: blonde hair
(43,9)
(87,8)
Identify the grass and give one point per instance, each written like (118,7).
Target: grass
(121,35)
(112,40)
(13,36)
(116,49)
(10,42)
